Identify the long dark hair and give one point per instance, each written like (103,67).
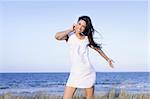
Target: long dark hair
(89,31)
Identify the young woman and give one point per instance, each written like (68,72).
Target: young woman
(79,37)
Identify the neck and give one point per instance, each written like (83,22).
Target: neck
(79,34)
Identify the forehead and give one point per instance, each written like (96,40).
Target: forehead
(82,22)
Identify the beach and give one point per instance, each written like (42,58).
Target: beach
(127,85)
(78,95)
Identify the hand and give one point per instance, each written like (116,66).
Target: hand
(110,61)
(72,29)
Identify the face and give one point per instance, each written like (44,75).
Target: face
(80,26)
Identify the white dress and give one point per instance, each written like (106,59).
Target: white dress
(82,74)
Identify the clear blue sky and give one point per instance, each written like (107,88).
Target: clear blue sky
(27,30)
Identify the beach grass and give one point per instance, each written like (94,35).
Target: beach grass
(79,94)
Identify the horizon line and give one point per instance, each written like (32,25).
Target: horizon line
(69,72)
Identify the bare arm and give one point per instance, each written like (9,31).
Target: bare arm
(110,61)
(63,35)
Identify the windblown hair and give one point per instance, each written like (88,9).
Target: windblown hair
(89,31)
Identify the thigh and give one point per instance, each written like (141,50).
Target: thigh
(69,92)
(89,92)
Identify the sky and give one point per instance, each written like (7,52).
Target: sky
(27,30)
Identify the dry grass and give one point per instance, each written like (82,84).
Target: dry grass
(80,95)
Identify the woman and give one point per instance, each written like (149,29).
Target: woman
(79,37)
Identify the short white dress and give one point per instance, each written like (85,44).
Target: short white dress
(82,74)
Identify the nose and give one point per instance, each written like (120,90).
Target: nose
(80,27)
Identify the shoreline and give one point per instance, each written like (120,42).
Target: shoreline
(34,91)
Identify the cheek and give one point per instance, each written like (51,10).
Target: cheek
(83,29)
(76,27)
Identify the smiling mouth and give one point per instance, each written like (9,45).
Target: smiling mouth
(78,30)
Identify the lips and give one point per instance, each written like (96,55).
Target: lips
(78,30)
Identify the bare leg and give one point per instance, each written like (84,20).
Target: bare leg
(69,92)
(89,93)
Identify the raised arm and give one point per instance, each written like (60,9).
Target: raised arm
(63,35)
(110,61)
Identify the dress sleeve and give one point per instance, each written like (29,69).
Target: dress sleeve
(69,34)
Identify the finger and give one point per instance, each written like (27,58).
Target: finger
(113,61)
(111,65)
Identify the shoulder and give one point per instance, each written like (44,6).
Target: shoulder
(70,34)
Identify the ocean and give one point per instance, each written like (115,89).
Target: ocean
(54,83)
